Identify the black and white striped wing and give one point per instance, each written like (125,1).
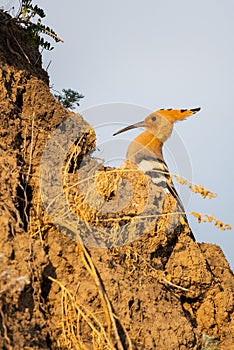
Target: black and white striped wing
(159,174)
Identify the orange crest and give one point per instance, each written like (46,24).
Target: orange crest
(177,114)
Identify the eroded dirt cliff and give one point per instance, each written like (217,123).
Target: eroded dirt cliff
(159,291)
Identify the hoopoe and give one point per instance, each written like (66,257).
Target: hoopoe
(146,150)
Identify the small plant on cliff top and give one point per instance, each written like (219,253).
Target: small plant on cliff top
(69,98)
(29,12)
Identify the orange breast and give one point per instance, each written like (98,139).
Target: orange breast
(145,143)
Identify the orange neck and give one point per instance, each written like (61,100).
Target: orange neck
(151,143)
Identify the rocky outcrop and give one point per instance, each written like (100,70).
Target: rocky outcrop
(159,291)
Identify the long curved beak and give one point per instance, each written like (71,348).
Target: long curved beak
(133,126)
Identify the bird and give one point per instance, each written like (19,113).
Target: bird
(146,150)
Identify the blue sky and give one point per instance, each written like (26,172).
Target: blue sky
(151,55)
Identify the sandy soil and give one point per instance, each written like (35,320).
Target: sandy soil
(160,290)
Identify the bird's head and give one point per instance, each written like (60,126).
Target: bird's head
(160,123)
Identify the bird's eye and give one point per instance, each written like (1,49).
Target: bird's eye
(153,119)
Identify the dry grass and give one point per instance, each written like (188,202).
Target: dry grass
(115,196)
(194,187)
(211,218)
(111,199)
(80,326)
